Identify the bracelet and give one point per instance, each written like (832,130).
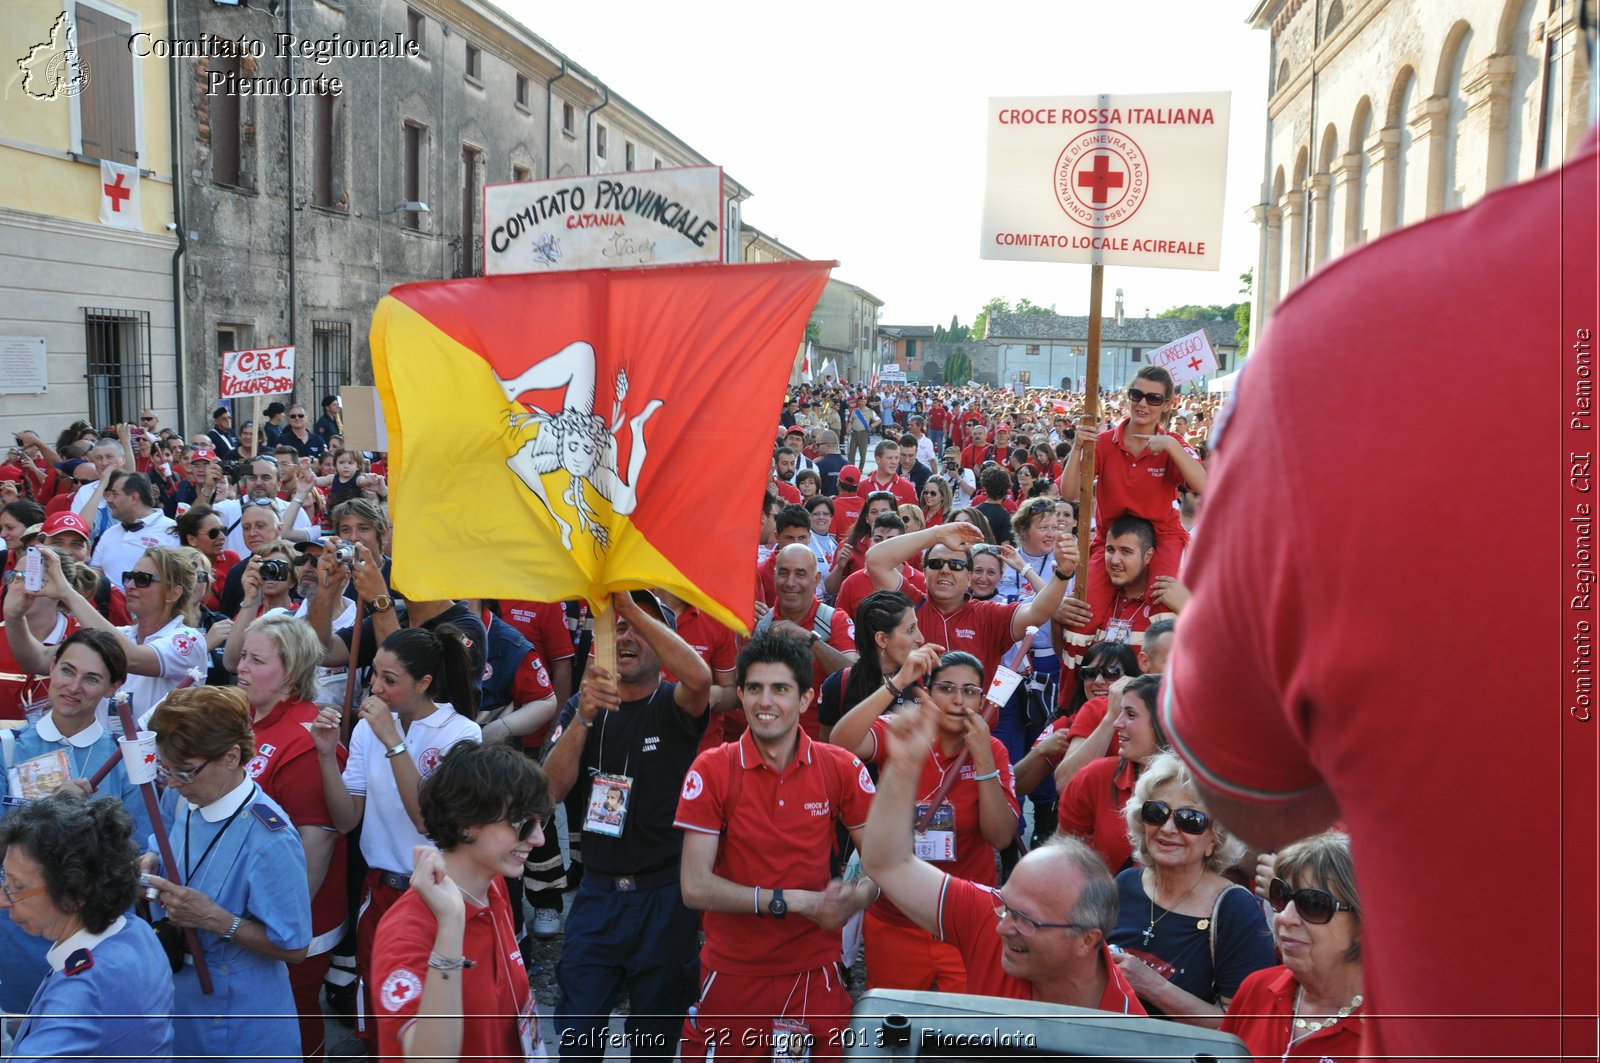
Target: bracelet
(444,963)
(233,929)
(758,901)
(395,750)
(895,692)
(985,778)
(1063,576)
(584,720)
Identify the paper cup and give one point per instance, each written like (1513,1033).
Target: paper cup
(139,757)
(1003,685)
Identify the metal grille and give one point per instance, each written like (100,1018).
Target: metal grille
(118,346)
(330,357)
(467,257)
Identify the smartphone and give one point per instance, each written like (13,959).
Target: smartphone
(33,571)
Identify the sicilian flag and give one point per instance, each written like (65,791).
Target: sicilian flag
(568,435)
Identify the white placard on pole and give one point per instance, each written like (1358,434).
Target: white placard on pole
(1114,180)
(1186,358)
(667,217)
(258,371)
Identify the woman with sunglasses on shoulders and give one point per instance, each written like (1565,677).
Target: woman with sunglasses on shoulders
(977,817)
(1188,937)
(243,871)
(163,644)
(450,980)
(1310,1006)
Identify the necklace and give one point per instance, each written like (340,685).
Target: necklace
(1309,1027)
(1150,930)
(481,904)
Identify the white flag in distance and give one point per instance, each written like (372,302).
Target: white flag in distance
(1186,358)
(1118,180)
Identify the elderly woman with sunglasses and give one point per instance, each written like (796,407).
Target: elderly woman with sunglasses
(1189,937)
(450,979)
(1310,1007)
(163,644)
(70,875)
(243,871)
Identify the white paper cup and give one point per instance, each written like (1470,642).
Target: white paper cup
(1003,685)
(139,757)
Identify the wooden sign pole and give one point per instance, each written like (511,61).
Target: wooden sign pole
(1091,409)
(605,636)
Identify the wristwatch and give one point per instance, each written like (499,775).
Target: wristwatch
(813,640)
(777,907)
(394,750)
(381,604)
(232,930)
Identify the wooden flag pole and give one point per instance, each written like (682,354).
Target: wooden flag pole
(605,636)
(1091,409)
(347,719)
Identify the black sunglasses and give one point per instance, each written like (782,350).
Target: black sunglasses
(1104,671)
(954,564)
(1189,820)
(215,533)
(140,579)
(1150,397)
(1312,905)
(525,827)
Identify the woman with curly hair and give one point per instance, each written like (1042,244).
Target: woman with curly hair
(70,872)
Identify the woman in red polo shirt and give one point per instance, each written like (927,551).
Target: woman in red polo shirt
(449,978)
(1091,806)
(278,674)
(1310,1007)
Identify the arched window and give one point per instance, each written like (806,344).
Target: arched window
(1331,21)
(1399,113)
(1282,78)
(1360,130)
(1451,182)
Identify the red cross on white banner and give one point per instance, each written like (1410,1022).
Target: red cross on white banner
(119,195)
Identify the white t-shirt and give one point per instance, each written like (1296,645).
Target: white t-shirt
(119,549)
(182,649)
(231,510)
(387,833)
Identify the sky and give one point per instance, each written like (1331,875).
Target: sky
(859,126)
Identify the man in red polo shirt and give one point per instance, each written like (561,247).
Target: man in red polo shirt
(1138,467)
(759,818)
(946,616)
(1040,937)
(974,454)
(799,615)
(847,504)
(1283,692)
(886,476)
(858,584)
(784,462)
(716,645)
(1128,605)
(545,625)
(794,526)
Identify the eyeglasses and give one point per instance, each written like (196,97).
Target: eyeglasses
(949,689)
(938,564)
(297,417)
(1188,820)
(263,502)
(1151,398)
(21,895)
(147,418)
(1028,924)
(1104,671)
(140,579)
(165,774)
(1311,905)
(215,533)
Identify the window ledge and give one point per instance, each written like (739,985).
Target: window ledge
(476,83)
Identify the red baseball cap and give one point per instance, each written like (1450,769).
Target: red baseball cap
(203,454)
(849,476)
(10,472)
(65,521)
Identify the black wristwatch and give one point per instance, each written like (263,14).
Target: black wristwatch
(776,907)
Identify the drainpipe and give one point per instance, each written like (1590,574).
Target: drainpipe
(588,120)
(288,104)
(174,73)
(549,114)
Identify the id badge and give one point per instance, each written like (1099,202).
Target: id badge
(608,805)
(791,1041)
(938,842)
(1119,631)
(528,1031)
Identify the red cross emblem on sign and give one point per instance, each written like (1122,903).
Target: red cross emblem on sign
(1194,363)
(117,193)
(1100,179)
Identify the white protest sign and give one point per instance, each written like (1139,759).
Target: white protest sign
(604,221)
(1186,358)
(258,371)
(1118,180)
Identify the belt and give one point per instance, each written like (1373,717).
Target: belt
(393,879)
(647,880)
(1038,654)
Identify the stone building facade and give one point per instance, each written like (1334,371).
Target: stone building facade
(1384,112)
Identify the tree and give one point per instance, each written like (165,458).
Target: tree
(1028,306)
(956,333)
(813,331)
(958,368)
(1206,313)
(980,324)
(1241,316)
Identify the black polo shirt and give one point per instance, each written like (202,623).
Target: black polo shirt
(653,742)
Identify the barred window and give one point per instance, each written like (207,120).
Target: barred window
(118,346)
(330,357)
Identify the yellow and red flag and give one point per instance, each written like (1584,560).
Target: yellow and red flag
(568,435)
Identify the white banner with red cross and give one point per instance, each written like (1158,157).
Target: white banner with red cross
(1187,358)
(1114,180)
(119,195)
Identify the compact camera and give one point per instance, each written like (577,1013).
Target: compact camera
(345,554)
(275,570)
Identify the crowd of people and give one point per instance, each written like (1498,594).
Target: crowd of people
(933,754)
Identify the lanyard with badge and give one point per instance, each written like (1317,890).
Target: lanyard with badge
(791,1037)
(609,794)
(1120,629)
(937,840)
